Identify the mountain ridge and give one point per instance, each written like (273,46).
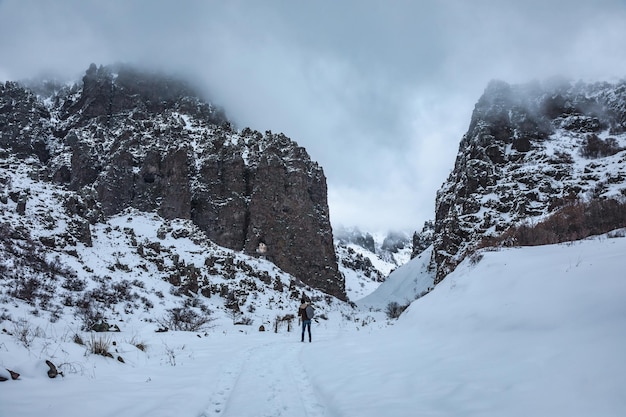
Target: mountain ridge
(125,139)
(530,150)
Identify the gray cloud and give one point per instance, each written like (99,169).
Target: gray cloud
(380,93)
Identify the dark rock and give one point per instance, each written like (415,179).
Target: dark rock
(81,231)
(100,327)
(52,372)
(24,122)
(126,138)
(423,239)
(504,173)
(21,205)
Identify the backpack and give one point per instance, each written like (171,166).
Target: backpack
(310,312)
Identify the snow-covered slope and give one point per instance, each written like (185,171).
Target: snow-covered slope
(366,259)
(135,265)
(536,331)
(405,284)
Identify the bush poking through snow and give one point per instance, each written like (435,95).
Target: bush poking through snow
(574,221)
(288,318)
(182,319)
(617,233)
(138,344)
(23,332)
(99,346)
(89,315)
(475,258)
(78,340)
(594,147)
(394,309)
(245,321)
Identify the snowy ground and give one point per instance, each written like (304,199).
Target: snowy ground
(403,285)
(536,331)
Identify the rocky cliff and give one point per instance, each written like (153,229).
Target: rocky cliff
(530,150)
(124,138)
(366,259)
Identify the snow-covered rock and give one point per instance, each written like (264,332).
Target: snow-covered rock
(530,150)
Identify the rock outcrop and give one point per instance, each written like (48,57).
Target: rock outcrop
(422,240)
(530,150)
(370,257)
(126,138)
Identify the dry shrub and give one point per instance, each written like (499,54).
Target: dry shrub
(594,147)
(26,333)
(141,345)
(184,319)
(78,339)
(395,309)
(573,222)
(100,346)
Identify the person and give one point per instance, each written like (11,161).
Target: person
(306,322)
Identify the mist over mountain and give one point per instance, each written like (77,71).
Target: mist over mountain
(540,163)
(125,138)
(366,259)
(131,205)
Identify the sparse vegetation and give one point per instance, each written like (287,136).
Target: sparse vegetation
(617,233)
(245,321)
(78,339)
(395,309)
(594,147)
(562,157)
(279,321)
(74,284)
(184,319)
(99,345)
(475,258)
(89,315)
(575,221)
(141,345)
(25,333)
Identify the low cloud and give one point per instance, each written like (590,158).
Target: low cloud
(379,93)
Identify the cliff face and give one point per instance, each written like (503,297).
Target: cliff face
(130,139)
(530,150)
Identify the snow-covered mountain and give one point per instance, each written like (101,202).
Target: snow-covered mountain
(152,261)
(366,259)
(124,138)
(553,151)
(404,285)
(131,263)
(521,331)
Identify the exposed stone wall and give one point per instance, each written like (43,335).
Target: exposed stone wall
(146,141)
(521,159)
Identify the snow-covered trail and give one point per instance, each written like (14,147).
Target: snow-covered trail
(266,380)
(236,372)
(537,331)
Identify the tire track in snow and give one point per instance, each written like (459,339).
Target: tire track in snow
(311,403)
(265,381)
(225,384)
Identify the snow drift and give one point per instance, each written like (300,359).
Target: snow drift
(537,331)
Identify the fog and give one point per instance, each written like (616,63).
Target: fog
(379,93)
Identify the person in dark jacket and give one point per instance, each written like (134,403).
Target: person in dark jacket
(306,322)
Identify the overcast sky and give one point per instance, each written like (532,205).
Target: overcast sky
(379,92)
